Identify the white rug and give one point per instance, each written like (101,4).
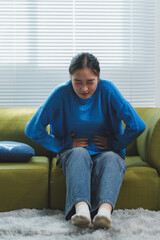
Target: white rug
(32,224)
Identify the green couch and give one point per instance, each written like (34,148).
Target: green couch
(22,185)
(40,184)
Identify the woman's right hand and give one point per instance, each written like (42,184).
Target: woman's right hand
(79,142)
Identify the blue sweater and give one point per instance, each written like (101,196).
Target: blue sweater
(66,112)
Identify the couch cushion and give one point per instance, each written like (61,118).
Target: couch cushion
(15,152)
(134,161)
(139,189)
(24,185)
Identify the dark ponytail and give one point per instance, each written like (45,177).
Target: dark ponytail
(83,60)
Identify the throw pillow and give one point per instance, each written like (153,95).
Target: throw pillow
(15,152)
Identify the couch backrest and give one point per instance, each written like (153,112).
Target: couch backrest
(148,143)
(12,125)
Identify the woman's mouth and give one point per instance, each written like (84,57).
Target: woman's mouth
(84,94)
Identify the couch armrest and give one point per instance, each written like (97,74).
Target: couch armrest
(148,144)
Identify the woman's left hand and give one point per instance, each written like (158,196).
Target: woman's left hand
(101,142)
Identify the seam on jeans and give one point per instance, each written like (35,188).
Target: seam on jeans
(123,168)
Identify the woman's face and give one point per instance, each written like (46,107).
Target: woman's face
(84,82)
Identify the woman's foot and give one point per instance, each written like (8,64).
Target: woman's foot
(103,217)
(82,217)
(80,220)
(102,221)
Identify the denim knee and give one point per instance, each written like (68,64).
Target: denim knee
(78,156)
(121,162)
(79,150)
(75,157)
(111,158)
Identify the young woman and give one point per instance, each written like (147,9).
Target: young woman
(85,116)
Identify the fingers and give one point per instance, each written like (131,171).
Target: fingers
(79,142)
(101,142)
(80,145)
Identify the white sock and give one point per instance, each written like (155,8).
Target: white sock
(104,211)
(82,208)
(82,216)
(103,217)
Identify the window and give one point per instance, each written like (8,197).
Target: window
(39,38)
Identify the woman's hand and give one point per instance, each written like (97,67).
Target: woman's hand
(101,141)
(79,142)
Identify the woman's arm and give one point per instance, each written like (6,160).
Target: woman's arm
(124,111)
(36,127)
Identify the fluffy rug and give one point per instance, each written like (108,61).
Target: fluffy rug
(32,224)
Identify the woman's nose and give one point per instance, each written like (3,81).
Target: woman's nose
(84,88)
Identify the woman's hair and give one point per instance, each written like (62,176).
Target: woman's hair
(83,60)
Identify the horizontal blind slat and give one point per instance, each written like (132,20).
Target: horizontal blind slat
(39,38)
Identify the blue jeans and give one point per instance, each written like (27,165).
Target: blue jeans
(94,179)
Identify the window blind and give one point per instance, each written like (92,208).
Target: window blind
(39,38)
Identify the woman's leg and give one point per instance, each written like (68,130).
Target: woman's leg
(77,167)
(107,177)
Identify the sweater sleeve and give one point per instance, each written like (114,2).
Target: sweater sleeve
(134,125)
(36,128)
